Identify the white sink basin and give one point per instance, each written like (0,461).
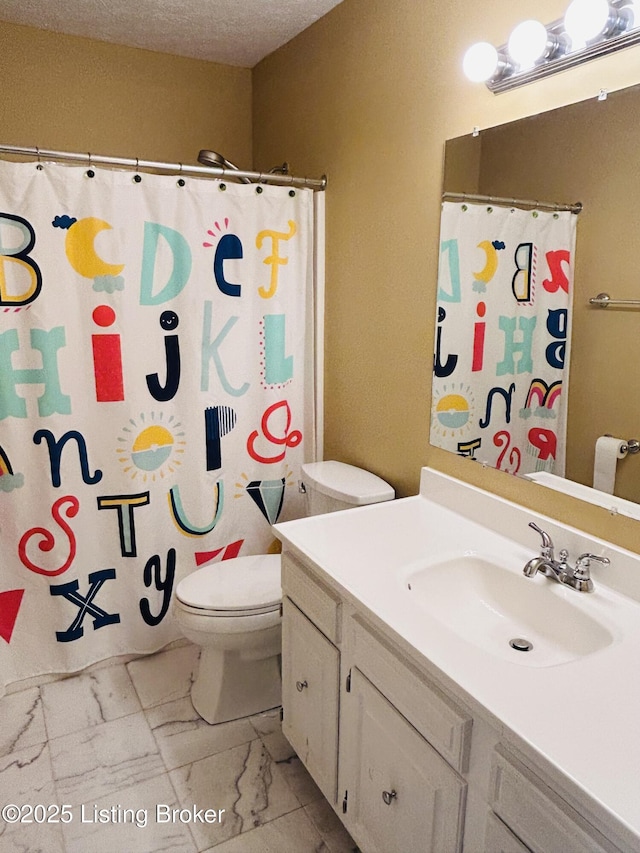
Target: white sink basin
(489,606)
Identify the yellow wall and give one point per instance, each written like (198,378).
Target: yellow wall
(73,94)
(369,94)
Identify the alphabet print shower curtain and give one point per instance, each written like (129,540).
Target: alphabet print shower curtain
(501,364)
(155,397)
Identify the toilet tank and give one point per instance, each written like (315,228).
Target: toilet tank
(330,486)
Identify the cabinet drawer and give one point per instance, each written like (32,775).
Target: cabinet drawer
(313,597)
(543,821)
(438,718)
(498,839)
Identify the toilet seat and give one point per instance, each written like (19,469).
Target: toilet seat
(243,586)
(211,613)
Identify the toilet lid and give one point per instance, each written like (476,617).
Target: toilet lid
(244,583)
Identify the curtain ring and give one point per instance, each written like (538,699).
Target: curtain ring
(181,181)
(90,173)
(39,165)
(137,178)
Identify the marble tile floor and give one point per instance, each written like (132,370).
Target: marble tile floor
(138,771)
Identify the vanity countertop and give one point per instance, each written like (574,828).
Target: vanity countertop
(581,716)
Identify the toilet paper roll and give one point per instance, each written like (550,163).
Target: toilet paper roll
(608,451)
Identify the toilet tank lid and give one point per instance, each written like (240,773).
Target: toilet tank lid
(242,583)
(346,482)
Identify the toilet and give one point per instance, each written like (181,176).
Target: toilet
(231,609)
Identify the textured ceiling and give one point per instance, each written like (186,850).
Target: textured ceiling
(233,32)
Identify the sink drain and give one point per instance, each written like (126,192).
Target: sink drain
(520,645)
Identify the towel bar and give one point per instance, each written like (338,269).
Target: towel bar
(602,300)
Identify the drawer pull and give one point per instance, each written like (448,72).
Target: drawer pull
(300,685)
(389,797)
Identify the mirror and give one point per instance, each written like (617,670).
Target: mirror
(585,152)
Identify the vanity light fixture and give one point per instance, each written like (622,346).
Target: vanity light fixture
(589,29)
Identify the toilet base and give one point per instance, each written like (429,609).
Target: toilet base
(230,686)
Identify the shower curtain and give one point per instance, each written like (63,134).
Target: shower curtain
(501,364)
(156,397)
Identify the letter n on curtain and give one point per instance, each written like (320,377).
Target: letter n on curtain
(155,397)
(501,361)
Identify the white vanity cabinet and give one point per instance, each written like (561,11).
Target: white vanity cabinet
(395,790)
(403,696)
(392,750)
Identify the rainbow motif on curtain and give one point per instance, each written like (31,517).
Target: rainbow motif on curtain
(155,402)
(502,336)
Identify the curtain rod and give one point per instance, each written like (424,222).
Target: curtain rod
(178,168)
(540,205)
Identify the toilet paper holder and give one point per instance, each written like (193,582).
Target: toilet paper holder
(631,446)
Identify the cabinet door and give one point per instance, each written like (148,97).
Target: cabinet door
(310,690)
(401,796)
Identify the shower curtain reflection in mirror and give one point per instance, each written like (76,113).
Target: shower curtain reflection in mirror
(503,314)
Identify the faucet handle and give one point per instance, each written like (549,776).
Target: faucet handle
(547,544)
(583,563)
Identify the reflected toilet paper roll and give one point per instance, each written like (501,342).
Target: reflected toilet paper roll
(608,451)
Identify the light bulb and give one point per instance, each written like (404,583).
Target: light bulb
(527,43)
(480,62)
(586,19)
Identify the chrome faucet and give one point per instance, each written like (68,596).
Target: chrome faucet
(578,578)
